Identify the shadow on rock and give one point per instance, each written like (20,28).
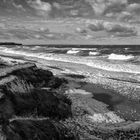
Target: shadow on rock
(38,102)
(39,129)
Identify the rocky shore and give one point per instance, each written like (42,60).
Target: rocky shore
(36,105)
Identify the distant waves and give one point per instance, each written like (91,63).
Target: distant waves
(95,57)
(83,52)
(75,50)
(120,57)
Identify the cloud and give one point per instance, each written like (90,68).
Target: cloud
(102,7)
(115,6)
(125,16)
(18,6)
(119,29)
(115,29)
(42,7)
(96,25)
(134,8)
(122,10)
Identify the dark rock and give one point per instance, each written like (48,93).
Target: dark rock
(9,70)
(36,129)
(37,77)
(56,82)
(31,74)
(38,102)
(24,92)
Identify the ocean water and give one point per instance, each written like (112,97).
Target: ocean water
(110,58)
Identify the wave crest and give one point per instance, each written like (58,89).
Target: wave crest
(120,57)
(73,51)
(92,62)
(93,53)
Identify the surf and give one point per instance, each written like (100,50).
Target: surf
(114,56)
(89,61)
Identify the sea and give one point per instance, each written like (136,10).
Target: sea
(112,58)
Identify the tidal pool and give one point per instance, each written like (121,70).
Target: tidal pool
(125,108)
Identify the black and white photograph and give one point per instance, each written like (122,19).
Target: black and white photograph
(69,69)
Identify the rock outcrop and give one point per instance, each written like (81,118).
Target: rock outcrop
(36,129)
(27,91)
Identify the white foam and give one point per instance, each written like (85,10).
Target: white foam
(120,57)
(100,64)
(72,51)
(93,53)
(126,48)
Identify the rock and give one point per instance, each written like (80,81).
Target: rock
(9,70)
(41,103)
(26,90)
(36,129)
(22,99)
(31,74)
(22,86)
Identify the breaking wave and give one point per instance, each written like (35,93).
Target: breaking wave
(93,53)
(120,57)
(89,61)
(73,51)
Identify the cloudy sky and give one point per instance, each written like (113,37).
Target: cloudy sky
(120,9)
(109,19)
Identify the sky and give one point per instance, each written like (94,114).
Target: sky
(120,9)
(111,18)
